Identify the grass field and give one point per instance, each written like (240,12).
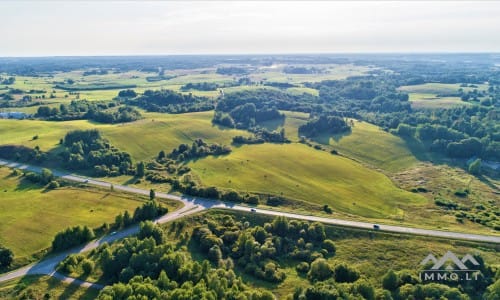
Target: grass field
(370,144)
(366,142)
(439,88)
(143,139)
(30,216)
(36,287)
(427,95)
(420,100)
(300,172)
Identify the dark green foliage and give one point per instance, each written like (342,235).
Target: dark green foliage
(320,270)
(140,169)
(329,245)
(462,132)
(475,167)
(262,135)
(302,267)
(127,94)
(200,86)
(149,211)
(99,111)
(156,270)
(22,153)
(247,108)
(390,281)
(446,203)
(257,250)
(6,257)
(93,87)
(86,149)
(198,149)
(301,70)
(231,71)
(344,273)
(72,237)
(171,102)
(324,124)
(149,229)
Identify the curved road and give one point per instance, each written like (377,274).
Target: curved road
(193,205)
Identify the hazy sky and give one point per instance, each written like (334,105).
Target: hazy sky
(45,28)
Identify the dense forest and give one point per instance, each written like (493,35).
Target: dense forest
(88,150)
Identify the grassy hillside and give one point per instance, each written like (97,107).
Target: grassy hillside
(366,142)
(300,172)
(31,216)
(427,95)
(145,138)
(372,145)
(142,139)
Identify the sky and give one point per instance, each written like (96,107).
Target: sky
(60,28)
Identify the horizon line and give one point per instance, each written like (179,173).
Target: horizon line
(259,54)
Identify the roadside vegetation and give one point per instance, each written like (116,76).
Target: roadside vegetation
(289,258)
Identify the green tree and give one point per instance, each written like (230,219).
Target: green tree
(46,176)
(344,273)
(87,266)
(152,194)
(140,169)
(320,270)
(475,167)
(6,257)
(390,281)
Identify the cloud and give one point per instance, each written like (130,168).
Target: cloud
(155,27)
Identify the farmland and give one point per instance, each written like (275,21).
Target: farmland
(31,215)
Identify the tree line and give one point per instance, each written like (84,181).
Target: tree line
(99,111)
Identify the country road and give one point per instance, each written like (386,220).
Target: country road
(194,205)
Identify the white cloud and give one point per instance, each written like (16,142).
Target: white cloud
(106,27)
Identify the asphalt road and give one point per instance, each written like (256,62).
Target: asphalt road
(193,205)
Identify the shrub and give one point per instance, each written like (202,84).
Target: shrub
(87,266)
(302,267)
(344,273)
(53,185)
(390,281)
(329,245)
(320,270)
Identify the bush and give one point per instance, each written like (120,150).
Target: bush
(53,185)
(302,267)
(320,270)
(6,257)
(344,273)
(390,281)
(87,266)
(330,246)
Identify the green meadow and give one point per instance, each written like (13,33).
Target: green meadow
(372,145)
(430,95)
(299,172)
(143,139)
(30,216)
